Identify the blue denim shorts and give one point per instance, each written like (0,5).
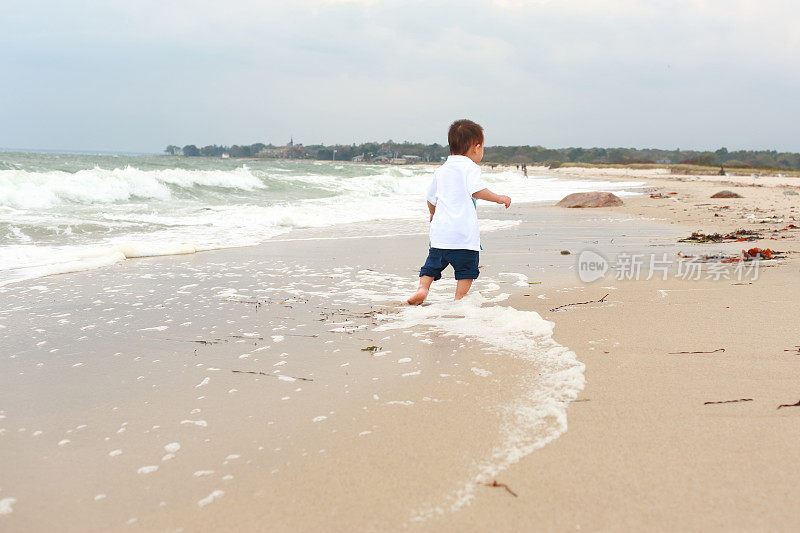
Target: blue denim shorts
(465,263)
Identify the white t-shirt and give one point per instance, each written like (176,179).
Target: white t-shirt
(455,222)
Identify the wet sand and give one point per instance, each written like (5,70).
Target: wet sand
(354,426)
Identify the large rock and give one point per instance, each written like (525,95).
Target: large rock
(590,199)
(726,194)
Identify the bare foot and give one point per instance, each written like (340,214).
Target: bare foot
(418,297)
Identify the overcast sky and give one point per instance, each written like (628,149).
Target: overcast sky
(138,75)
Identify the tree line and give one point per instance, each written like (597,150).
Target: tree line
(214,150)
(507,154)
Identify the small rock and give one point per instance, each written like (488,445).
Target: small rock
(565,252)
(790,193)
(590,199)
(726,194)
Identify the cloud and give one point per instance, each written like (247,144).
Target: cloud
(138,75)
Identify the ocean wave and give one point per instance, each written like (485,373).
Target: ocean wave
(23,189)
(55,214)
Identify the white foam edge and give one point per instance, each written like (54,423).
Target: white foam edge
(538,415)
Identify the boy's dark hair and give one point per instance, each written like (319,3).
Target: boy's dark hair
(463,135)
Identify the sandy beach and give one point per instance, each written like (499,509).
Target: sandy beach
(287,386)
(654,443)
(213,221)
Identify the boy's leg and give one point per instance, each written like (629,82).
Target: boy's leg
(462,288)
(430,272)
(465,263)
(422,291)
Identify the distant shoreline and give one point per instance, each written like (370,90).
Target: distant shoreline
(680,168)
(674,169)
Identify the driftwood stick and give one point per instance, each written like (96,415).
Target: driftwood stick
(729,401)
(790,405)
(501,485)
(212,341)
(268,374)
(601,300)
(686,353)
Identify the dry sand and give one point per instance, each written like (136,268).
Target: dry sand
(644,451)
(377,439)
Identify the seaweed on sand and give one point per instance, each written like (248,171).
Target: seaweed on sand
(734,236)
(761,253)
(746,255)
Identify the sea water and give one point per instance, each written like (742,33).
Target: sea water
(68,212)
(129,333)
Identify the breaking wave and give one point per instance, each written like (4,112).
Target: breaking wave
(57,214)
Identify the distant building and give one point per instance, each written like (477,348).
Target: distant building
(412,158)
(290,151)
(296,151)
(269,152)
(359,158)
(226,156)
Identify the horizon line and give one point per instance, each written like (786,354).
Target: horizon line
(163,152)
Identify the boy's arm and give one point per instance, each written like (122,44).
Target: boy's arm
(489,196)
(430,196)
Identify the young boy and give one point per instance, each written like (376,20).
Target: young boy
(454,220)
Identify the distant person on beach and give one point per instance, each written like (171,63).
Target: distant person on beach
(454,236)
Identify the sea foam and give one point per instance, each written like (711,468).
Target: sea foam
(539,413)
(6,505)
